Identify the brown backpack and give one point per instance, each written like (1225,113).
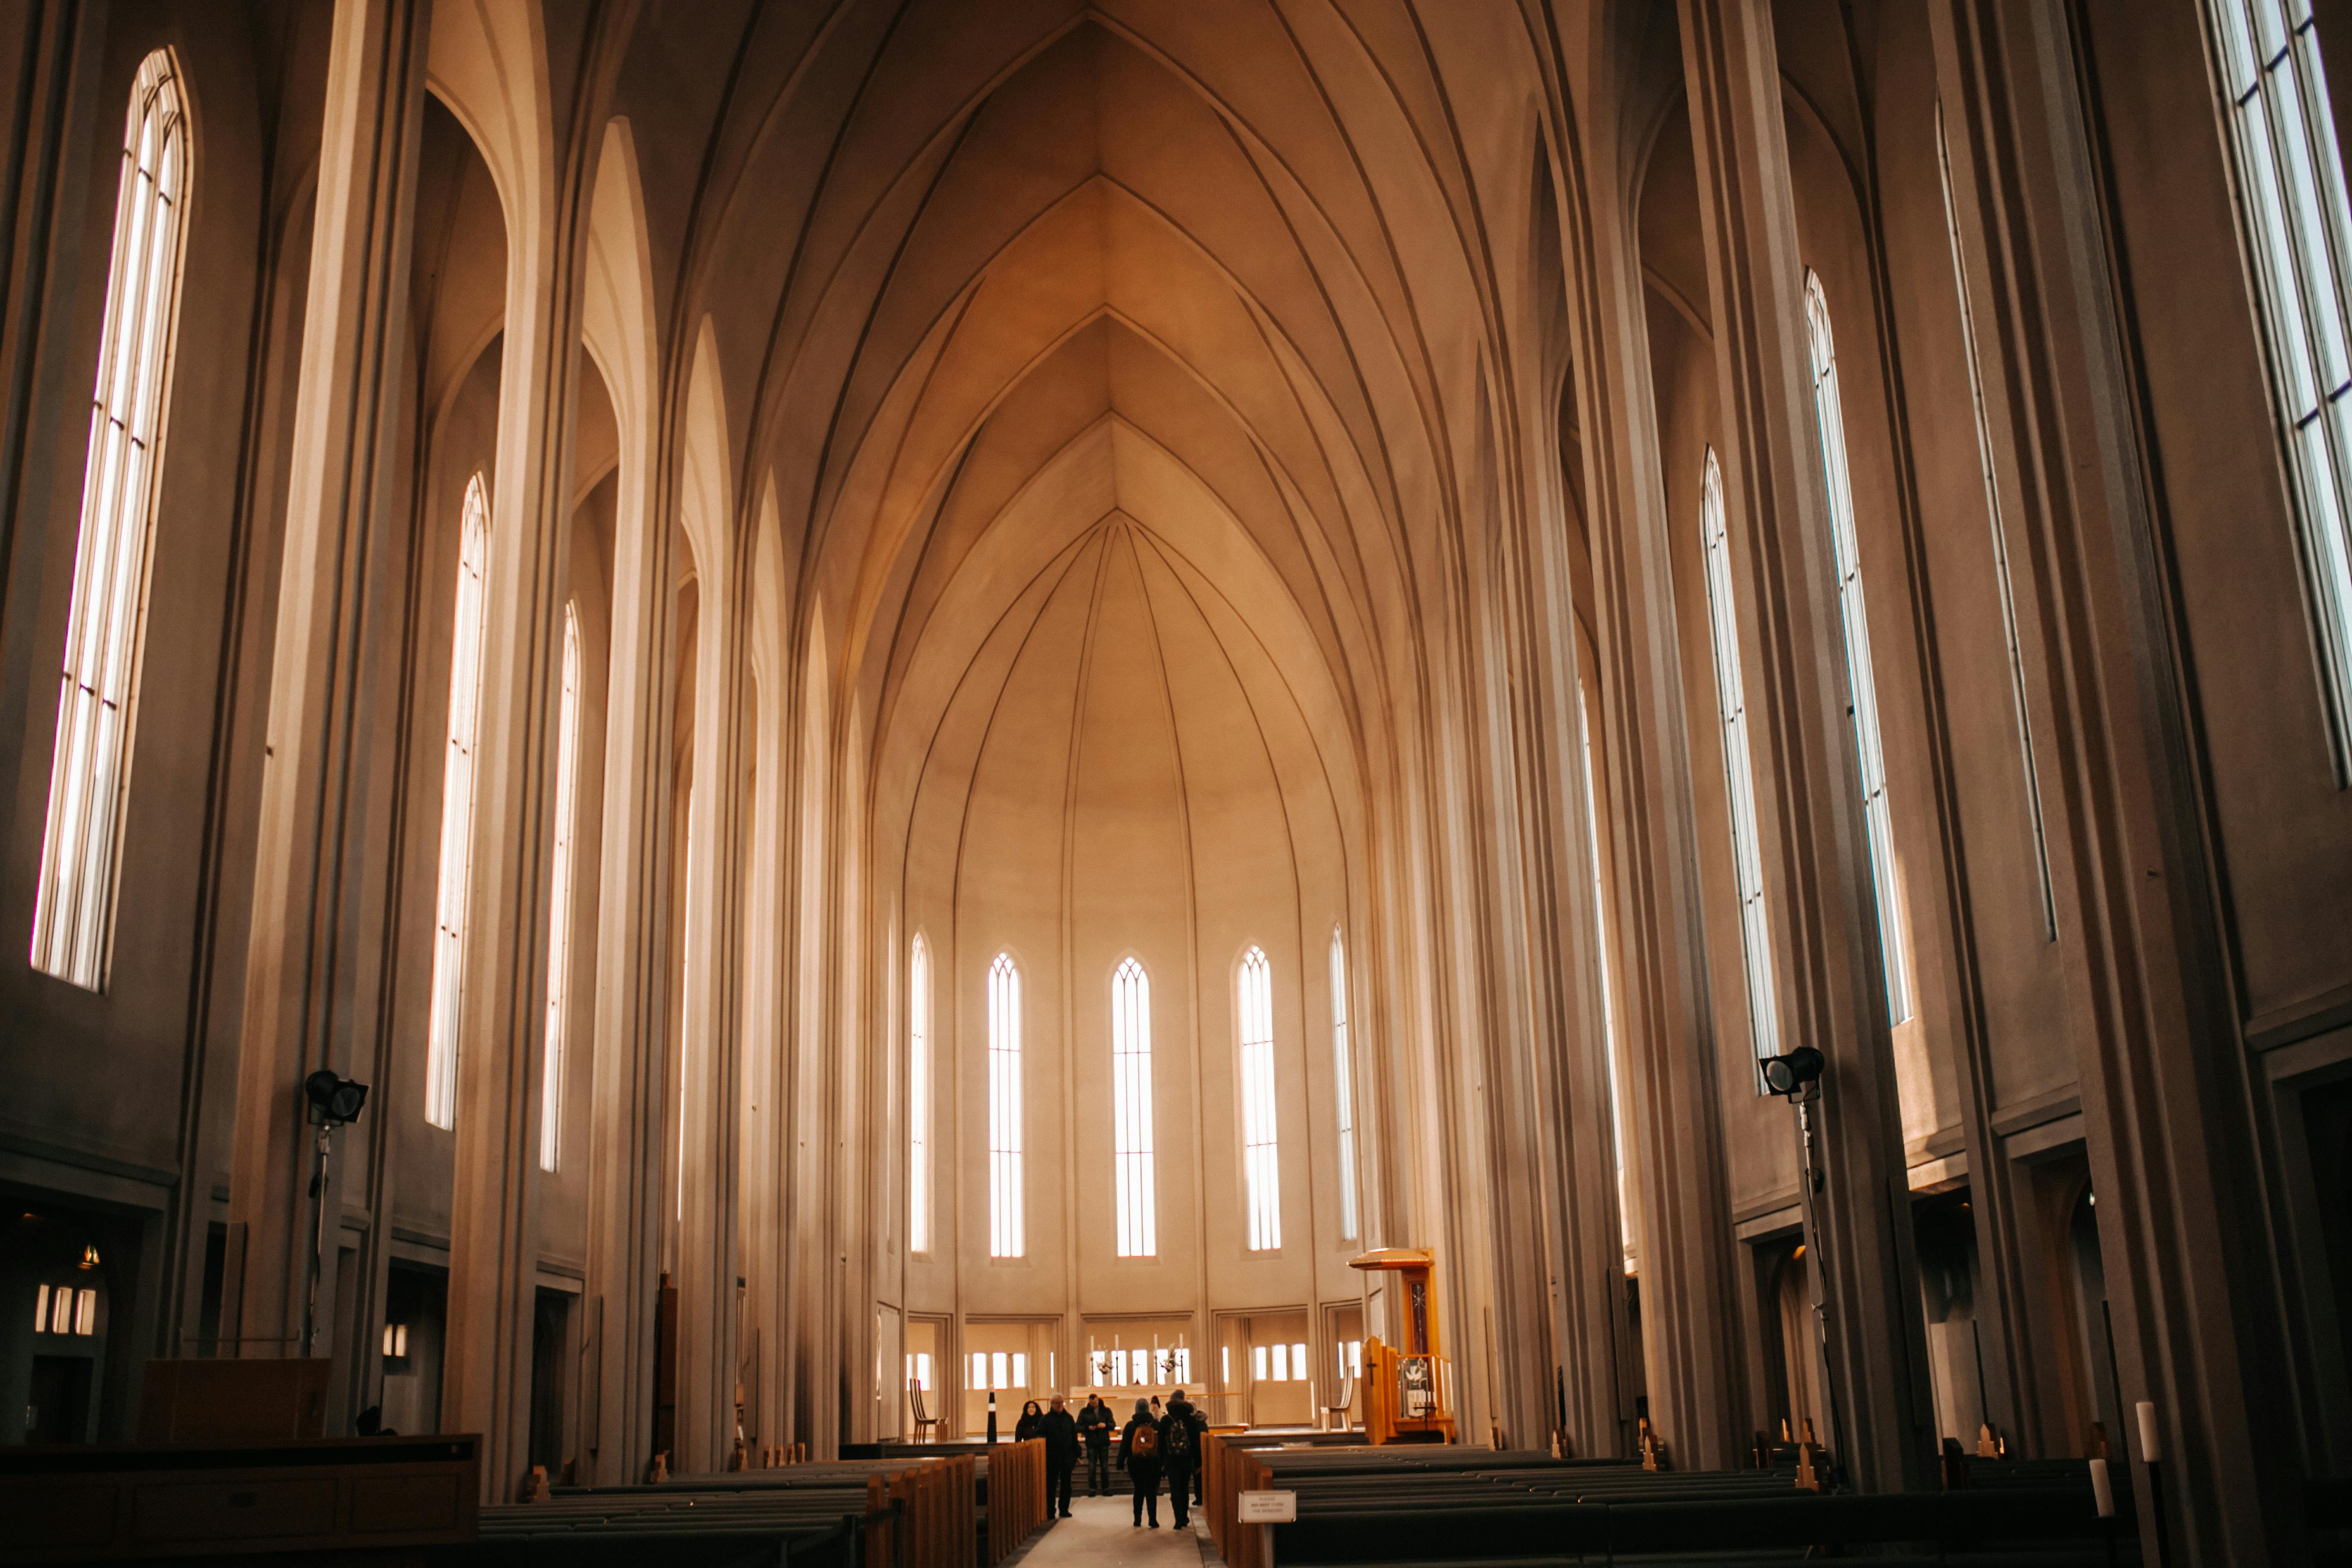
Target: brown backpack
(1143,1443)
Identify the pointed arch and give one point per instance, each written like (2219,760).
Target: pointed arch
(457,862)
(1261,1139)
(1862,685)
(1006,1229)
(1739,767)
(89,766)
(1343,1089)
(919,1095)
(1131,1130)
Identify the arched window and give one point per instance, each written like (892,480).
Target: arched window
(919,1096)
(2299,239)
(1343,1083)
(686,979)
(1130,1080)
(457,811)
(1861,688)
(1739,771)
(1601,935)
(559,902)
(89,770)
(1261,1156)
(1004,1232)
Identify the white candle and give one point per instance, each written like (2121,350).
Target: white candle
(2102,1489)
(2151,1441)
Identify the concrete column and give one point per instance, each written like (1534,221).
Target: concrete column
(709,1254)
(1673,1105)
(627,1192)
(308,947)
(48,48)
(1831,984)
(2185,1236)
(493,1240)
(1573,1133)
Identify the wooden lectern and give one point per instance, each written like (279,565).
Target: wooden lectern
(1408,1392)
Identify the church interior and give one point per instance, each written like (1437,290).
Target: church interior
(1688,663)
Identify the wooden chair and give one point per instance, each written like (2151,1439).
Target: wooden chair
(1347,1403)
(924,1419)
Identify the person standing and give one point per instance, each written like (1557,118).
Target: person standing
(1180,1451)
(1138,1456)
(1182,1442)
(1061,1434)
(1096,1424)
(1026,1427)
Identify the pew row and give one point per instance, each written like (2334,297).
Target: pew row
(956,1511)
(1460,1506)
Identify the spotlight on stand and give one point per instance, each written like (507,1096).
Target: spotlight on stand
(330,1102)
(334,1101)
(1787,1075)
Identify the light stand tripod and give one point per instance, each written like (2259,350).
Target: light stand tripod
(1797,1077)
(329,1102)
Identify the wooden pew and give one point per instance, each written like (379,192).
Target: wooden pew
(1361,1509)
(97,1503)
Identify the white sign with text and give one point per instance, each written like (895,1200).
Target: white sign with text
(1268,1508)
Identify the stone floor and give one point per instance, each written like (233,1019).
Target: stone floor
(1101,1533)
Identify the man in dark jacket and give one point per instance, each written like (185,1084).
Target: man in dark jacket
(1179,1449)
(1096,1424)
(1061,1434)
(1138,1456)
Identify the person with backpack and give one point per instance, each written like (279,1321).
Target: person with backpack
(1180,1454)
(1138,1456)
(1197,1424)
(1096,1424)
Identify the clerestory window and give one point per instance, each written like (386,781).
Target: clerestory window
(456,875)
(98,684)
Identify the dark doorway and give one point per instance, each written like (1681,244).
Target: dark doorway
(58,1409)
(417,1297)
(549,1359)
(2095,1333)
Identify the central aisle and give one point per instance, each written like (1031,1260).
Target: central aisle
(1101,1533)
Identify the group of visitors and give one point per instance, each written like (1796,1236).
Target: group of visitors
(1154,1445)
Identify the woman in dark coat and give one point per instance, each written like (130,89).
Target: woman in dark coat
(1138,1456)
(1026,1427)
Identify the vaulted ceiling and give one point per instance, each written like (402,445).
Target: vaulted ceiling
(979,278)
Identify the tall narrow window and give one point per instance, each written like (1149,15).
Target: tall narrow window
(456,875)
(1261,1157)
(1343,1088)
(1601,935)
(1739,770)
(1130,1077)
(1004,1231)
(919,1096)
(1999,541)
(686,973)
(73,910)
(1877,811)
(559,902)
(2299,236)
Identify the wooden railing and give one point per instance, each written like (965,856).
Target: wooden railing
(1016,1496)
(939,1520)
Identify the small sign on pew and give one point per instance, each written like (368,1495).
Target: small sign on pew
(1268,1508)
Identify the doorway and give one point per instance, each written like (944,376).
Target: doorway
(59,1408)
(1340,1400)
(551,1390)
(416,1300)
(925,1368)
